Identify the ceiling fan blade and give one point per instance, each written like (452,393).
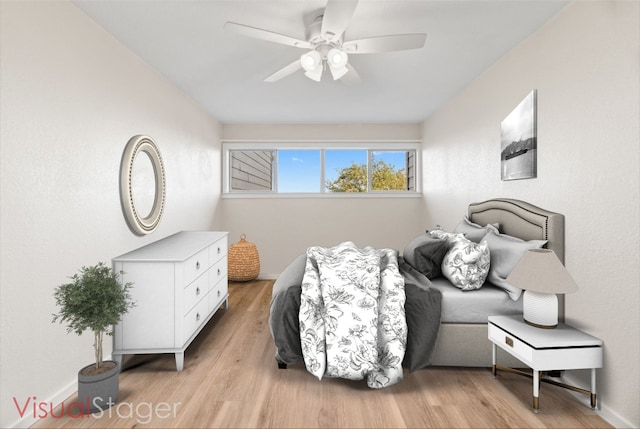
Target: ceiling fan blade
(390,43)
(270,36)
(285,71)
(337,16)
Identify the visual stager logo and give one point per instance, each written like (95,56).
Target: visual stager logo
(143,412)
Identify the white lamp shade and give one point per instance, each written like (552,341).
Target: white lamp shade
(540,270)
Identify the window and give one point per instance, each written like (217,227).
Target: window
(317,169)
(298,170)
(252,170)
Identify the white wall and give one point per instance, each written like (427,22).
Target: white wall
(585,66)
(71,97)
(282,228)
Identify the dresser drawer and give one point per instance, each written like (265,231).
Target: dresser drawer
(195,266)
(195,292)
(217,250)
(506,341)
(195,318)
(217,294)
(218,272)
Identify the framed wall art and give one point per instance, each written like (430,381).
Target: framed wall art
(519,142)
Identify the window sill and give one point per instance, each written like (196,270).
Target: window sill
(352,195)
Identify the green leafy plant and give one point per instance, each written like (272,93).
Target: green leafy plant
(384,177)
(94,300)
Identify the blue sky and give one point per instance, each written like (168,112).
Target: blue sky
(299,170)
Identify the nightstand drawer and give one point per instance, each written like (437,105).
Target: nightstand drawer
(513,345)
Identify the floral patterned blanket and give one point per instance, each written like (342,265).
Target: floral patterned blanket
(352,316)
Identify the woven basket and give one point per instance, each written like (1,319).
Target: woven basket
(243,260)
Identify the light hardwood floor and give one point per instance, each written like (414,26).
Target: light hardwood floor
(231,380)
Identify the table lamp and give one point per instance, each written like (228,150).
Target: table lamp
(541,275)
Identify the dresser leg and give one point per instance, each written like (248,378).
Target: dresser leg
(179,361)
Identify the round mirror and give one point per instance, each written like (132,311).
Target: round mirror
(142,185)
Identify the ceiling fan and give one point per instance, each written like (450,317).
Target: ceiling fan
(325,44)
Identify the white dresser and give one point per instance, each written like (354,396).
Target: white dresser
(179,282)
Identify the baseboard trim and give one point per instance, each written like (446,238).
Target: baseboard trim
(57,398)
(612,417)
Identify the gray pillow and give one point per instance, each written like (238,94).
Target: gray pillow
(473,231)
(505,252)
(425,254)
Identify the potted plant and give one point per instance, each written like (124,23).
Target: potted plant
(94,300)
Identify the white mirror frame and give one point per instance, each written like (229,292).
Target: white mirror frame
(138,224)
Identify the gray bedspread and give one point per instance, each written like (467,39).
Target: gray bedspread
(422,310)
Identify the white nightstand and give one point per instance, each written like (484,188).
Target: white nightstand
(546,350)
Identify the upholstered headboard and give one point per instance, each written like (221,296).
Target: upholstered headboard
(523,220)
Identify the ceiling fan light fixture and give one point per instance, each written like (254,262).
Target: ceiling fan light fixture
(338,72)
(314,74)
(326,45)
(337,58)
(311,61)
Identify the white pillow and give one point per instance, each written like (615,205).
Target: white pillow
(466,265)
(473,231)
(506,252)
(449,236)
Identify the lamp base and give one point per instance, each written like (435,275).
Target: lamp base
(540,309)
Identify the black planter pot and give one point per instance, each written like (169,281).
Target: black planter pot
(99,392)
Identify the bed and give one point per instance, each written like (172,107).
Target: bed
(505,226)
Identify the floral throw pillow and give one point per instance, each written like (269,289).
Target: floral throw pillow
(467,264)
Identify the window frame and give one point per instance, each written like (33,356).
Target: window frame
(276,145)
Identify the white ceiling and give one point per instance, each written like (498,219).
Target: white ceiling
(223,71)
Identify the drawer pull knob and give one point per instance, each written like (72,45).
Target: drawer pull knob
(218,271)
(197,317)
(509,341)
(218,250)
(197,265)
(197,291)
